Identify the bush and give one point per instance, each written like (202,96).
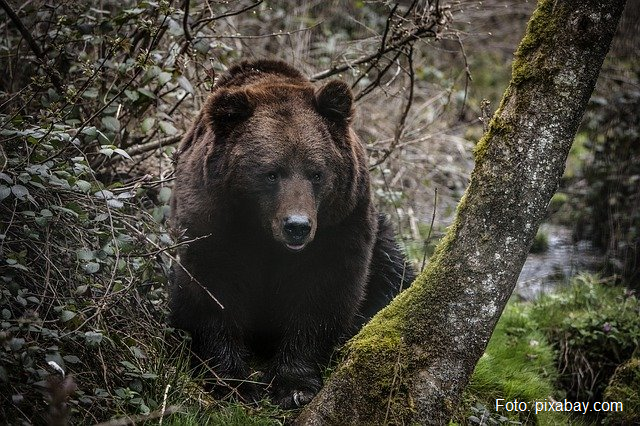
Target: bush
(595,327)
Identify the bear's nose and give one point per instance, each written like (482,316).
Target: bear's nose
(297,228)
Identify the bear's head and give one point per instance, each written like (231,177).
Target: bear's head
(285,156)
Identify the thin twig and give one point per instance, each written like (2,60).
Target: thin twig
(467,73)
(174,246)
(226,15)
(401,123)
(259,36)
(415,34)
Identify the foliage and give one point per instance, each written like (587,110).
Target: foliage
(595,327)
(82,282)
(83,263)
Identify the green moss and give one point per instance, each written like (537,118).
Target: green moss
(623,388)
(498,126)
(541,27)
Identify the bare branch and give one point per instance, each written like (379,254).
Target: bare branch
(204,21)
(150,146)
(433,26)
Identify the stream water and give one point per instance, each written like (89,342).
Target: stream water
(543,272)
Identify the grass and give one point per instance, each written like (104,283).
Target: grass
(518,364)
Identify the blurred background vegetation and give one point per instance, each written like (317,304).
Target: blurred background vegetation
(94,97)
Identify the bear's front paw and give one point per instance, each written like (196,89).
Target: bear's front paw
(294,387)
(294,399)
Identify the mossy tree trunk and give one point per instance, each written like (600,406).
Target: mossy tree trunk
(411,363)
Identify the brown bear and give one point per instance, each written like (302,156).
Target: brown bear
(272,190)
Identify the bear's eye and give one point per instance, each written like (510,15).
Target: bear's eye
(272,177)
(316,177)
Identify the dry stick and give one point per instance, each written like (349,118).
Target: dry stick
(252,37)
(150,146)
(32,44)
(385,33)
(164,399)
(426,241)
(468,75)
(396,367)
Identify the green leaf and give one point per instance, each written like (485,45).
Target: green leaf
(84,254)
(129,366)
(91,93)
(5,191)
(111,123)
(104,194)
(5,177)
(93,337)
(122,153)
(67,316)
(116,204)
(168,128)
(146,92)
(71,359)
(101,217)
(106,151)
(91,267)
(90,131)
(164,78)
(164,195)
(83,185)
(147,124)
(132,95)
(19,191)
(185,84)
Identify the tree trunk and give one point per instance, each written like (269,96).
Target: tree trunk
(411,363)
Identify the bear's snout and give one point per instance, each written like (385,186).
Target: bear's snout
(296,230)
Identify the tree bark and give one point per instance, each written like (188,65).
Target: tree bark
(411,363)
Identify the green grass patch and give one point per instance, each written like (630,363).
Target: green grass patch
(518,364)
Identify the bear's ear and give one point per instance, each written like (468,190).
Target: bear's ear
(227,107)
(334,100)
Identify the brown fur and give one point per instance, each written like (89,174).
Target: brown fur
(273,173)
